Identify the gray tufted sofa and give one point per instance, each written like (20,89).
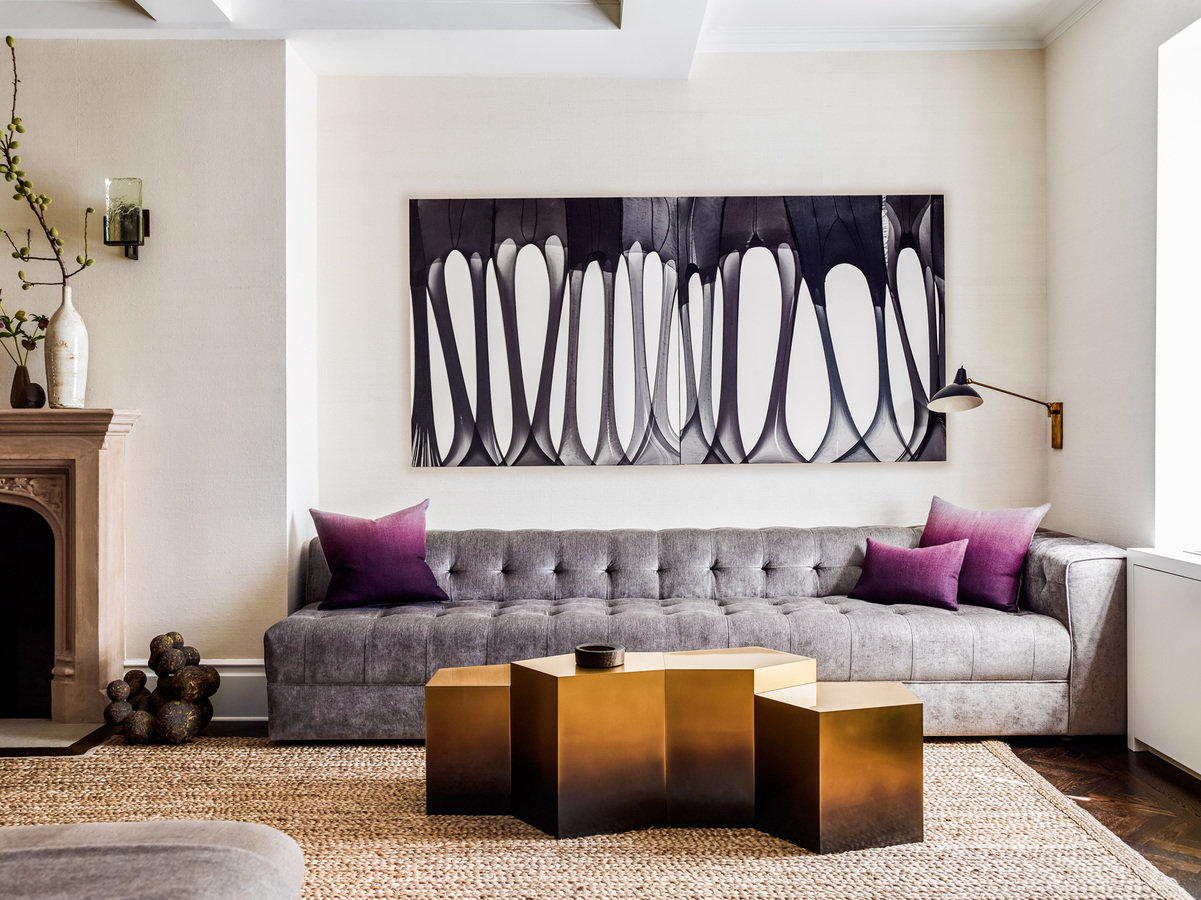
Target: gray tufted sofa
(1056,667)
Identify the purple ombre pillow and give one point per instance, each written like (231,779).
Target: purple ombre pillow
(928,576)
(998,540)
(376,562)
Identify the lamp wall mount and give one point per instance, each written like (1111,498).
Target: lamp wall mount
(1054,411)
(958,396)
(131,247)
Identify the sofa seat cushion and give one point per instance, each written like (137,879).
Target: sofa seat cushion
(850,639)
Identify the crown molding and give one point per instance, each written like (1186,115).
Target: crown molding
(1057,27)
(801,39)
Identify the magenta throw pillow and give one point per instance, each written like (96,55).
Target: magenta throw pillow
(928,576)
(376,562)
(998,540)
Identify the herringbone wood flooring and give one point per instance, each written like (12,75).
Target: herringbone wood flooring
(1150,804)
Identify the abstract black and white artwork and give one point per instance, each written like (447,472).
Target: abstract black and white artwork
(668,330)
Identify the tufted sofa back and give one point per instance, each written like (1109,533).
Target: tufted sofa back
(703,563)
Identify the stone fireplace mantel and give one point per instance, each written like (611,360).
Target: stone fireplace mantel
(69,466)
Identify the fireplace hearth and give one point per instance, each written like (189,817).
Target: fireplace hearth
(68,465)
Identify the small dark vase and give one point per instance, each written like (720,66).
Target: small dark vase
(33,397)
(25,394)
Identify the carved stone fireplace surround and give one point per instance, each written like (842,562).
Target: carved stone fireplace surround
(69,466)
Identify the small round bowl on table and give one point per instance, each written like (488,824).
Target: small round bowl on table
(599,656)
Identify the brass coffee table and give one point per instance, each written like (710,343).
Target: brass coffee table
(666,738)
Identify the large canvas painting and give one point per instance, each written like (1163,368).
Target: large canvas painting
(668,330)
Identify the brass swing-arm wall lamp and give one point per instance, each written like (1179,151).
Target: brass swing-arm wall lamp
(959,396)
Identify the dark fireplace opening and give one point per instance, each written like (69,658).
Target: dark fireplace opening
(27,598)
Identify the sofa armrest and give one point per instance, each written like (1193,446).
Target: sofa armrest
(1082,583)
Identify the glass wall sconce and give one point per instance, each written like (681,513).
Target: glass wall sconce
(126,221)
(959,396)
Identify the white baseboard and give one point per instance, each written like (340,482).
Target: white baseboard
(243,692)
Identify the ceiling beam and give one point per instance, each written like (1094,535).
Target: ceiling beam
(21,16)
(274,19)
(657,39)
(426,15)
(188,12)
(545,38)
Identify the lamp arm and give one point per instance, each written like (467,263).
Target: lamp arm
(1011,394)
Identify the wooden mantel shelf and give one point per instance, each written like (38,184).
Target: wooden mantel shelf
(66,421)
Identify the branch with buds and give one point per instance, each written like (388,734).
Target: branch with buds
(10,168)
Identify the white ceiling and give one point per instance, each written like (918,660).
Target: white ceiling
(565,38)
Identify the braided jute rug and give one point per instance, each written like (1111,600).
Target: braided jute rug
(995,829)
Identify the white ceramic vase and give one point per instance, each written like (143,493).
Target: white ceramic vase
(66,356)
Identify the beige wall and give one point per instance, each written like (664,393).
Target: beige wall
(1101,173)
(198,335)
(1049,177)
(969,125)
(192,334)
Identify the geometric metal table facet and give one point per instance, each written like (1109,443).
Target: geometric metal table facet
(838,765)
(587,744)
(710,729)
(467,762)
(728,737)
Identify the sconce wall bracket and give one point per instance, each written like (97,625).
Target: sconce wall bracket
(131,247)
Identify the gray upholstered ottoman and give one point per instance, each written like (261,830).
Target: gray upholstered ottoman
(142,860)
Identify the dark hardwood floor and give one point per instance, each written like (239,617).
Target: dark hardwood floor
(1150,804)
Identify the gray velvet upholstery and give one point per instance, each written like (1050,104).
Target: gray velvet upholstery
(202,860)
(1055,667)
